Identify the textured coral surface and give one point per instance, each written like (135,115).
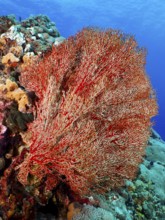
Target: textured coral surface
(93,113)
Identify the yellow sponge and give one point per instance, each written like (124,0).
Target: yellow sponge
(13,92)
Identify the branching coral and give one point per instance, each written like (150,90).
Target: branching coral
(93,114)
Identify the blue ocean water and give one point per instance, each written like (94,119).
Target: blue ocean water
(143,19)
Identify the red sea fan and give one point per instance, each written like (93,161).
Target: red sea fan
(93,114)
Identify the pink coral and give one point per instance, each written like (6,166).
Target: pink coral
(93,114)
(3,128)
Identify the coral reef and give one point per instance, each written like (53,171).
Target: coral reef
(16,51)
(140,199)
(75,121)
(6,22)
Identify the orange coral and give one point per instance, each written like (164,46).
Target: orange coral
(11,91)
(17,51)
(93,114)
(73,209)
(10,59)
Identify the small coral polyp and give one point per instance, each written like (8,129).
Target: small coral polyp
(94,107)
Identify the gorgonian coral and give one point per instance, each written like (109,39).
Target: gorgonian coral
(93,114)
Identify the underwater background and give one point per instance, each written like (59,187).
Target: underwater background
(74,117)
(143,19)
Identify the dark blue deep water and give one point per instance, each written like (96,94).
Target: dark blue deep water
(143,19)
